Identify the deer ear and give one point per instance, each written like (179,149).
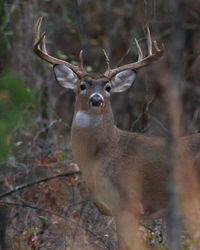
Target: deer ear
(65,76)
(123,80)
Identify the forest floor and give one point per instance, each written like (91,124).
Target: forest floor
(47,207)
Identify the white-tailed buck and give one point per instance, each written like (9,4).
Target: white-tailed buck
(125,173)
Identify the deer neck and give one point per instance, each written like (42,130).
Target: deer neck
(92,137)
(92,131)
(90,122)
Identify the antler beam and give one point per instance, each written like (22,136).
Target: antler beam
(142,61)
(39,47)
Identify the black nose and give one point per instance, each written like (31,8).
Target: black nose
(96,100)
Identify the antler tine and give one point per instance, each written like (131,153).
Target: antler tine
(140,54)
(142,61)
(149,41)
(81,60)
(37,43)
(44,48)
(42,52)
(156,46)
(35,31)
(108,63)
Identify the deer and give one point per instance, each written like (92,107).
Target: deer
(125,173)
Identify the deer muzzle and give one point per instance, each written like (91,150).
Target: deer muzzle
(96,100)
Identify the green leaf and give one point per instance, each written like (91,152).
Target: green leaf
(43,218)
(88,68)
(61,55)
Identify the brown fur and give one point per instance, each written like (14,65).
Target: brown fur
(124,172)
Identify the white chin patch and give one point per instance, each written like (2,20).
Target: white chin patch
(86,120)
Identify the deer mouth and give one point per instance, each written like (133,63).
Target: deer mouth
(96,100)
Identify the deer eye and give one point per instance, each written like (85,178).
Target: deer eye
(108,88)
(82,87)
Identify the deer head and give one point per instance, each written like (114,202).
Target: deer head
(94,92)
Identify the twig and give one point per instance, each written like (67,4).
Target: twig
(44,129)
(29,205)
(23,186)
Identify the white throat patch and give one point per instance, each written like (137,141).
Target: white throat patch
(86,120)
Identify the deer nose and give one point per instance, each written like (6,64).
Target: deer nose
(96,100)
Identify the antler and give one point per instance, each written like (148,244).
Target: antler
(142,61)
(39,47)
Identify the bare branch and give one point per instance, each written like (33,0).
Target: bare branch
(29,205)
(27,185)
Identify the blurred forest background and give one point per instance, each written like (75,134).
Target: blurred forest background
(43,205)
